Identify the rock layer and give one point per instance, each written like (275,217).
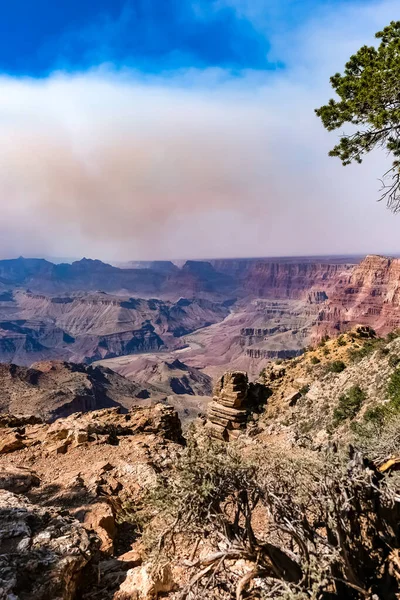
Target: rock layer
(57,389)
(42,554)
(368,295)
(227,413)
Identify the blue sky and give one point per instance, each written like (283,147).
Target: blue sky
(39,36)
(149,129)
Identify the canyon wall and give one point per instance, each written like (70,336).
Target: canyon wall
(292,280)
(257,277)
(369,295)
(257,308)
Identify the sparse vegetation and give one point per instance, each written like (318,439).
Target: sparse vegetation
(336,366)
(394,391)
(394,360)
(313,546)
(393,335)
(379,435)
(314,360)
(349,405)
(367,348)
(304,390)
(377,418)
(323,341)
(341,341)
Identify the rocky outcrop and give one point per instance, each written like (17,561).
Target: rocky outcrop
(96,466)
(18,480)
(282,354)
(104,426)
(71,534)
(57,389)
(368,295)
(227,413)
(42,554)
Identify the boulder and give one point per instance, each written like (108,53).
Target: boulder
(292,398)
(11,442)
(143,584)
(18,480)
(100,518)
(42,553)
(8,420)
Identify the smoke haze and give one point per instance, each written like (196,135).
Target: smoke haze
(110,164)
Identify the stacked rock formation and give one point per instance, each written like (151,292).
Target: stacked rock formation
(227,412)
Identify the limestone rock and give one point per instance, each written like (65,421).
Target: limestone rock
(227,412)
(11,442)
(292,398)
(110,424)
(100,518)
(142,584)
(42,553)
(18,480)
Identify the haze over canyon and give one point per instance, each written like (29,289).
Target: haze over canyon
(198,319)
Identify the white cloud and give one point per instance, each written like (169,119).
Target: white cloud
(194,164)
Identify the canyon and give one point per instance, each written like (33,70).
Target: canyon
(208,315)
(118,394)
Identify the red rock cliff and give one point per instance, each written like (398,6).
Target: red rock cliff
(369,295)
(292,280)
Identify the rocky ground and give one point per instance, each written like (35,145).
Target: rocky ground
(72,488)
(63,490)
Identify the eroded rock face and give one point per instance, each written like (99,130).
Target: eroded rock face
(42,553)
(227,413)
(367,295)
(291,279)
(56,389)
(18,480)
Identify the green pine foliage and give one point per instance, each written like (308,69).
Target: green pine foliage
(369,102)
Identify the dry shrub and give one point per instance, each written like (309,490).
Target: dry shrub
(331,530)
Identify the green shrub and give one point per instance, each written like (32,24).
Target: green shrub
(349,405)
(392,335)
(304,390)
(326,351)
(379,416)
(382,352)
(314,360)
(356,354)
(341,341)
(394,360)
(337,366)
(323,341)
(376,414)
(393,390)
